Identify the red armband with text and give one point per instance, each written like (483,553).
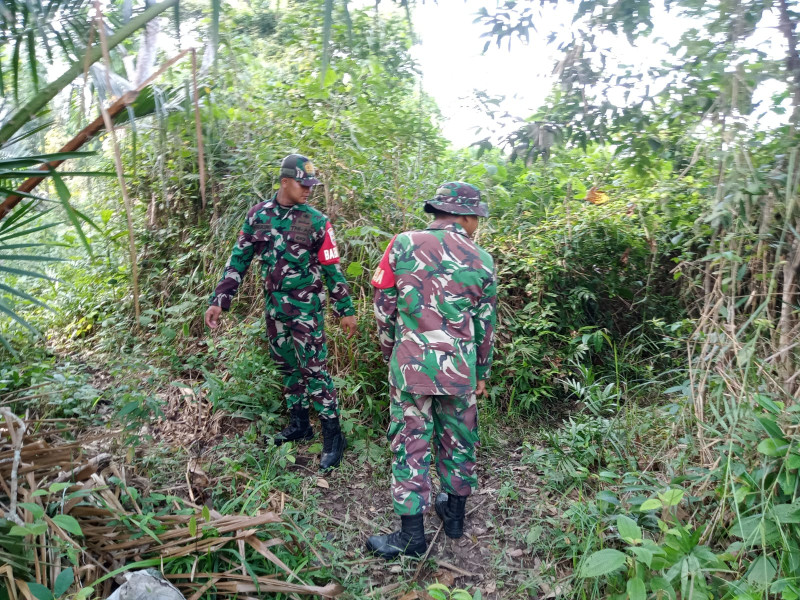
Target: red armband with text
(384,276)
(328,253)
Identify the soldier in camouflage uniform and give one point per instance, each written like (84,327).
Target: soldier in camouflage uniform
(435,303)
(297,248)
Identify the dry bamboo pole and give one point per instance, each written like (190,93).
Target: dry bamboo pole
(120,173)
(199,133)
(17,437)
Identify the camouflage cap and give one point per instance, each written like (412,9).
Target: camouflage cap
(299,168)
(458,198)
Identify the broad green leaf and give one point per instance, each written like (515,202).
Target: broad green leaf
(786,513)
(438,591)
(36,510)
(660,584)
(460,595)
(636,589)
(68,523)
(355,269)
(534,534)
(30,529)
(753,528)
(773,447)
(769,404)
(628,529)
(771,427)
(193,526)
(206,514)
(39,591)
(84,593)
(793,461)
(602,562)
(651,504)
(63,582)
(762,571)
(671,497)
(643,555)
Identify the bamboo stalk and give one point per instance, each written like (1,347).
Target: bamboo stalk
(120,173)
(199,133)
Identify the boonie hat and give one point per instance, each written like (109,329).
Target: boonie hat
(299,168)
(458,198)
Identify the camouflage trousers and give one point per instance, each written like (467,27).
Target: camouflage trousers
(298,348)
(453,422)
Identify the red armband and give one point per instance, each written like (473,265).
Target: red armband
(328,253)
(384,276)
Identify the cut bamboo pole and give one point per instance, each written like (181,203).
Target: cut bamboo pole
(120,173)
(201,161)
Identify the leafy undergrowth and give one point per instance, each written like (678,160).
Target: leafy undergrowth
(611,496)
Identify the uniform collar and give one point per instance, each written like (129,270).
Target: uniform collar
(451,226)
(273,203)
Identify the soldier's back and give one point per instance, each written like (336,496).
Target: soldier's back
(441,276)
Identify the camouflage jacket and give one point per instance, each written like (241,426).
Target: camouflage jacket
(297,247)
(435,299)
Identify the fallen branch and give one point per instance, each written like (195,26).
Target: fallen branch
(83,136)
(450,567)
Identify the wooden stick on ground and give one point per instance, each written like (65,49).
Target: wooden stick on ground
(427,553)
(17,437)
(433,541)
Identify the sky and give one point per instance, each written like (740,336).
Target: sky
(453,64)
(453,67)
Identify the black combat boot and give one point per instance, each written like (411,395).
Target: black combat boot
(299,428)
(410,540)
(450,509)
(333,444)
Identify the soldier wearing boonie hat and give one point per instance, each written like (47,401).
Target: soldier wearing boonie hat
(458,198)
(298,250)
(435,298)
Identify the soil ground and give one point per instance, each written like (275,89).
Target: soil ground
(191,443)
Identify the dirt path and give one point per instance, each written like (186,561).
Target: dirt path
(492,555)
(192,442)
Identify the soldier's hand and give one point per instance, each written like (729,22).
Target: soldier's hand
(349,326)
(212,316)
(480,389)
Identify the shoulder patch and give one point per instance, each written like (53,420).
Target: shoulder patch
(383,278)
